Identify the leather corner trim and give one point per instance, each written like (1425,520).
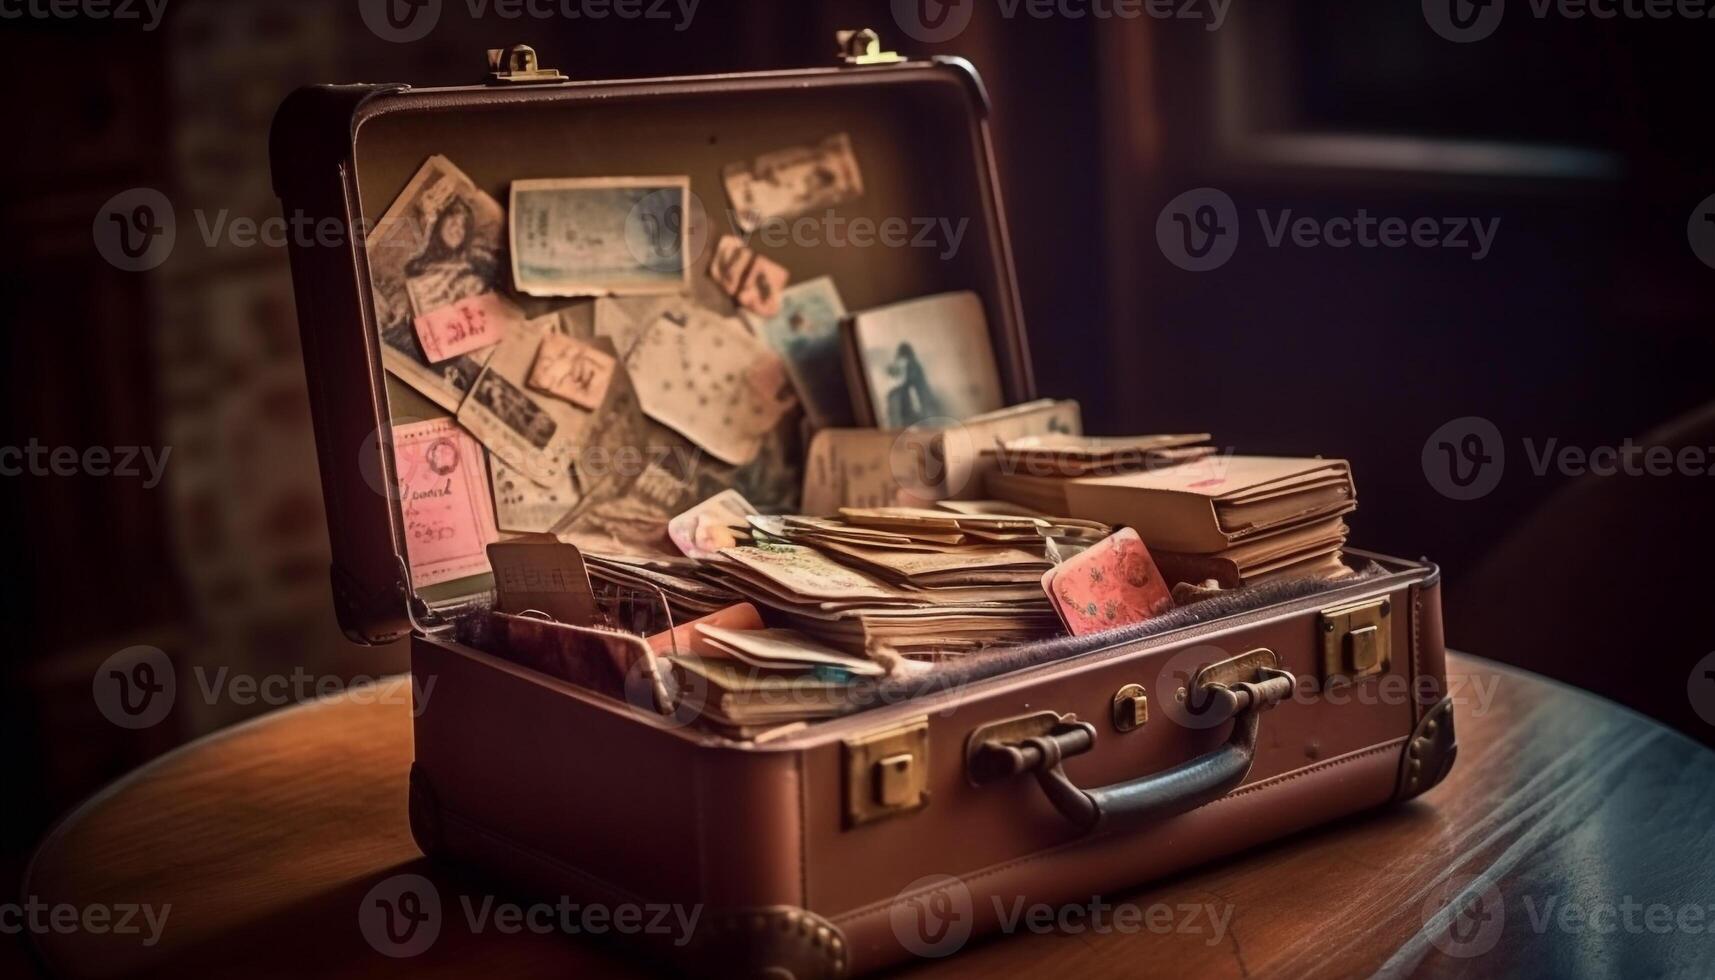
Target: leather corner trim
(775,941)
(1429,753)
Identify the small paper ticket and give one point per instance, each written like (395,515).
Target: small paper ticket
(754,281)
(794,181)
(444,498)
(465,325)
(570,369)
(705,529)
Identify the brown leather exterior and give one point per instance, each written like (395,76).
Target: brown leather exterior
(571,793)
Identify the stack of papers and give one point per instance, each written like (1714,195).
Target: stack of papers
(920,583)
(1235,519)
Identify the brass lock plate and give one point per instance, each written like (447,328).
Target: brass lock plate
(1357,640)
(887,773)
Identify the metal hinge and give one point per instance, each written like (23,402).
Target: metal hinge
(517,65)
(863,47)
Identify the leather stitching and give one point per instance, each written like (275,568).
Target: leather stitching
(1417,710)
(875,908)
(803,834)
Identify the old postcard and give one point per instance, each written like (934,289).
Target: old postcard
(523,505)
(752,280)
(854,468)
(626,319)
(443,497)
(438,243)
(596,236)
(705,529)
(536,435)
(711,380)
(927,359)
(806,335)
(1111,584)
(573,370)
(791,182)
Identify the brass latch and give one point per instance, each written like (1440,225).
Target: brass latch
(863,47)
(887,773)
(1357,640)
(517,65)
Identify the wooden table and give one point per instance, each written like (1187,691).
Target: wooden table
(1589,830)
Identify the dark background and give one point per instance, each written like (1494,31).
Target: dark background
(1588,323)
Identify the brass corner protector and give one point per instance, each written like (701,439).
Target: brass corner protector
(1429,753)
(770,941)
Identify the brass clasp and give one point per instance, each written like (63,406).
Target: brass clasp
(517,65)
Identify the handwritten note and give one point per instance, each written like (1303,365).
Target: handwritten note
(468,324)
(573,370)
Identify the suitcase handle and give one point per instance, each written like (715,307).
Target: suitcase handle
(1184,787)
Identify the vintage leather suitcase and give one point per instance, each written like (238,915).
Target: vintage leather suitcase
(889,833)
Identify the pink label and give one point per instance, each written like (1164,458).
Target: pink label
(470,324)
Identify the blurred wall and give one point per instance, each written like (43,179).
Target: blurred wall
(1587,322)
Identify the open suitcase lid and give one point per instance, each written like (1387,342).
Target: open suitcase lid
(343,153)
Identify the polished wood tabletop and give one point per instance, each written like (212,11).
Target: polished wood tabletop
(1573,838)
